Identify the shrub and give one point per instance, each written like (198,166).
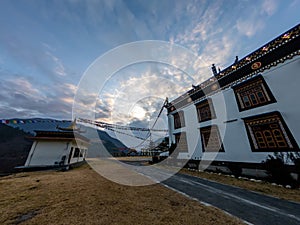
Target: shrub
(278,170)
(235,169)
(295,158)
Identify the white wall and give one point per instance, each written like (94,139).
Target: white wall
(49,153)
(44,153)
(283,81)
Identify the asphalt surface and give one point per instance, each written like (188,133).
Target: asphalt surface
(247,205)
(251,207)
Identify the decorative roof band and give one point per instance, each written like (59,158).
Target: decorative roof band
(289,39)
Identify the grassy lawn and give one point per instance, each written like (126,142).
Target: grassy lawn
(81,196)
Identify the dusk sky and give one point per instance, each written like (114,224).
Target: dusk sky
(46,46)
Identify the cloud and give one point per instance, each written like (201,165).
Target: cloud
(209,35)
(58,67)
(249,27)
(269,7)
(25,99)
(203,23)
(256,20)
(140,91)
(294,3)
(68,34)
(30,56)
(67,100)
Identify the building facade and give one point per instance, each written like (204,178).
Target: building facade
(56,149)
(245,112)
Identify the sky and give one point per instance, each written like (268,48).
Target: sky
(46,46)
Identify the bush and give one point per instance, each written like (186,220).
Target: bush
(295,158)
(277,170)
(236,170)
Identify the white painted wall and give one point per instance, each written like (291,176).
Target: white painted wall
(44,153)
(284,83)
(50,153)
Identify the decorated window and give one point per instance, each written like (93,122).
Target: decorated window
(205,110)
(211,140)
(181,142)
(268,132)
(253,93)
(179,120)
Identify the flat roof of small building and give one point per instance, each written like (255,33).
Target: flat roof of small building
(58,135)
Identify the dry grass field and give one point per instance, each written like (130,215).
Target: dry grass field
(81,196)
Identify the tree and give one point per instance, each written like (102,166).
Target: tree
(278,170)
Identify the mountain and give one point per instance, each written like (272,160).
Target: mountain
(105,137)
(14,148)
(101,142)
(112,145)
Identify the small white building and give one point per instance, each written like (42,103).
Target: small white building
(56,149)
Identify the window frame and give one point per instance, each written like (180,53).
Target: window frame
(202,130)
(178,115)
(182,145)
(278,124)
(204,104)
(252,84)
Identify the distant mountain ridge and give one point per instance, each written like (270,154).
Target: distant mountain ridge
(14,148)
(113,145)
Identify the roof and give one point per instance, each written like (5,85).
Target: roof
(57,135)
(284,47)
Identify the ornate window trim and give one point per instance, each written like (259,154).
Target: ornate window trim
(253,93)
(178,120)
(269,133)
(215,140)
(181,142)
(205,110)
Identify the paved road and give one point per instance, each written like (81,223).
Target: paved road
(249,206)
